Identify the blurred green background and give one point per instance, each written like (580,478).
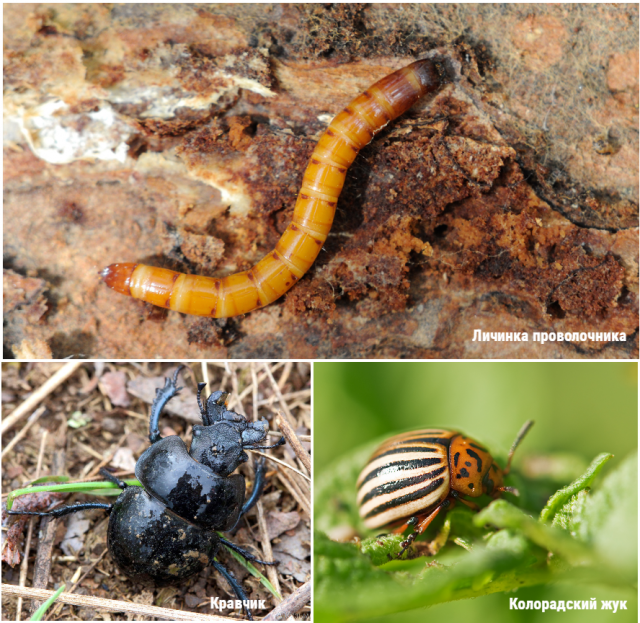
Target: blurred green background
(580,409)
(585,408)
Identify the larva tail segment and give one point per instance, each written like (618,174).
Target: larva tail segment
(313,215)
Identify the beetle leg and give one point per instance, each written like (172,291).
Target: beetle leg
(244,553)
(162,397)
(237,589)
(422,524)
(258,486)
(472,505)
(407,524)
(65,510)
(111,478)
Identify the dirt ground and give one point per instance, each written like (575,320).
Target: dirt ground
(177,135)
(100,415)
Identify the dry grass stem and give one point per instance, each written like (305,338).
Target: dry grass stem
(291,437)
(30,422)
(167,614)
(291,605)
(39,394)
(304,504)
(107,459)
(272,458)
(281,400)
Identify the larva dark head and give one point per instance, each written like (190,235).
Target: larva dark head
(118,276)
(427,74)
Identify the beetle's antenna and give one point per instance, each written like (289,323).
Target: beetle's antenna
(523,431)
(281,442)
(203,413)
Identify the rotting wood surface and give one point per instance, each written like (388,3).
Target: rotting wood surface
(508,202)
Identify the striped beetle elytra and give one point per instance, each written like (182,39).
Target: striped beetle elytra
(413,476)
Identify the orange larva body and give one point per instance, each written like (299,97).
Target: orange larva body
(301,242)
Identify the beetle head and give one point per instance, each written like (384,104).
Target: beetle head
(220,443)
(218,446)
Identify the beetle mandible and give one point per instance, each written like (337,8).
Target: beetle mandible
(411,477)
(166,530)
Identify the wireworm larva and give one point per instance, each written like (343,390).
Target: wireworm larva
(313,214)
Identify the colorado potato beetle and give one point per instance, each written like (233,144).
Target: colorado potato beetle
(280,269)
(411,477)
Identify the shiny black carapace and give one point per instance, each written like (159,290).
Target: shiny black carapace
(166,530)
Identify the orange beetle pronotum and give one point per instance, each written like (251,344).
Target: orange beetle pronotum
(301,242)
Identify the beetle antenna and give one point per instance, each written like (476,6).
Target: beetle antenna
(203,412)
(511,490)
(523,431)
(281,442)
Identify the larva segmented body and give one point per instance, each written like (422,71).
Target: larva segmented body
(313,214)
(411,477)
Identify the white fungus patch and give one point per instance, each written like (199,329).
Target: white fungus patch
(59,136)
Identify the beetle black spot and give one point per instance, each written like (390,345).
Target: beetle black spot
(476,456)
(471,486)
(475,445)
(463,473)
(467,463)
(456,456)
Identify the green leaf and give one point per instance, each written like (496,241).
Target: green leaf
(78,420)
(382,549)
(503,515)
(609,519)
(50,479)
(561,497)
(348,587)
(39,613)
(569,517)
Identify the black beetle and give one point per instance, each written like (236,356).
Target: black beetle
(166,530)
